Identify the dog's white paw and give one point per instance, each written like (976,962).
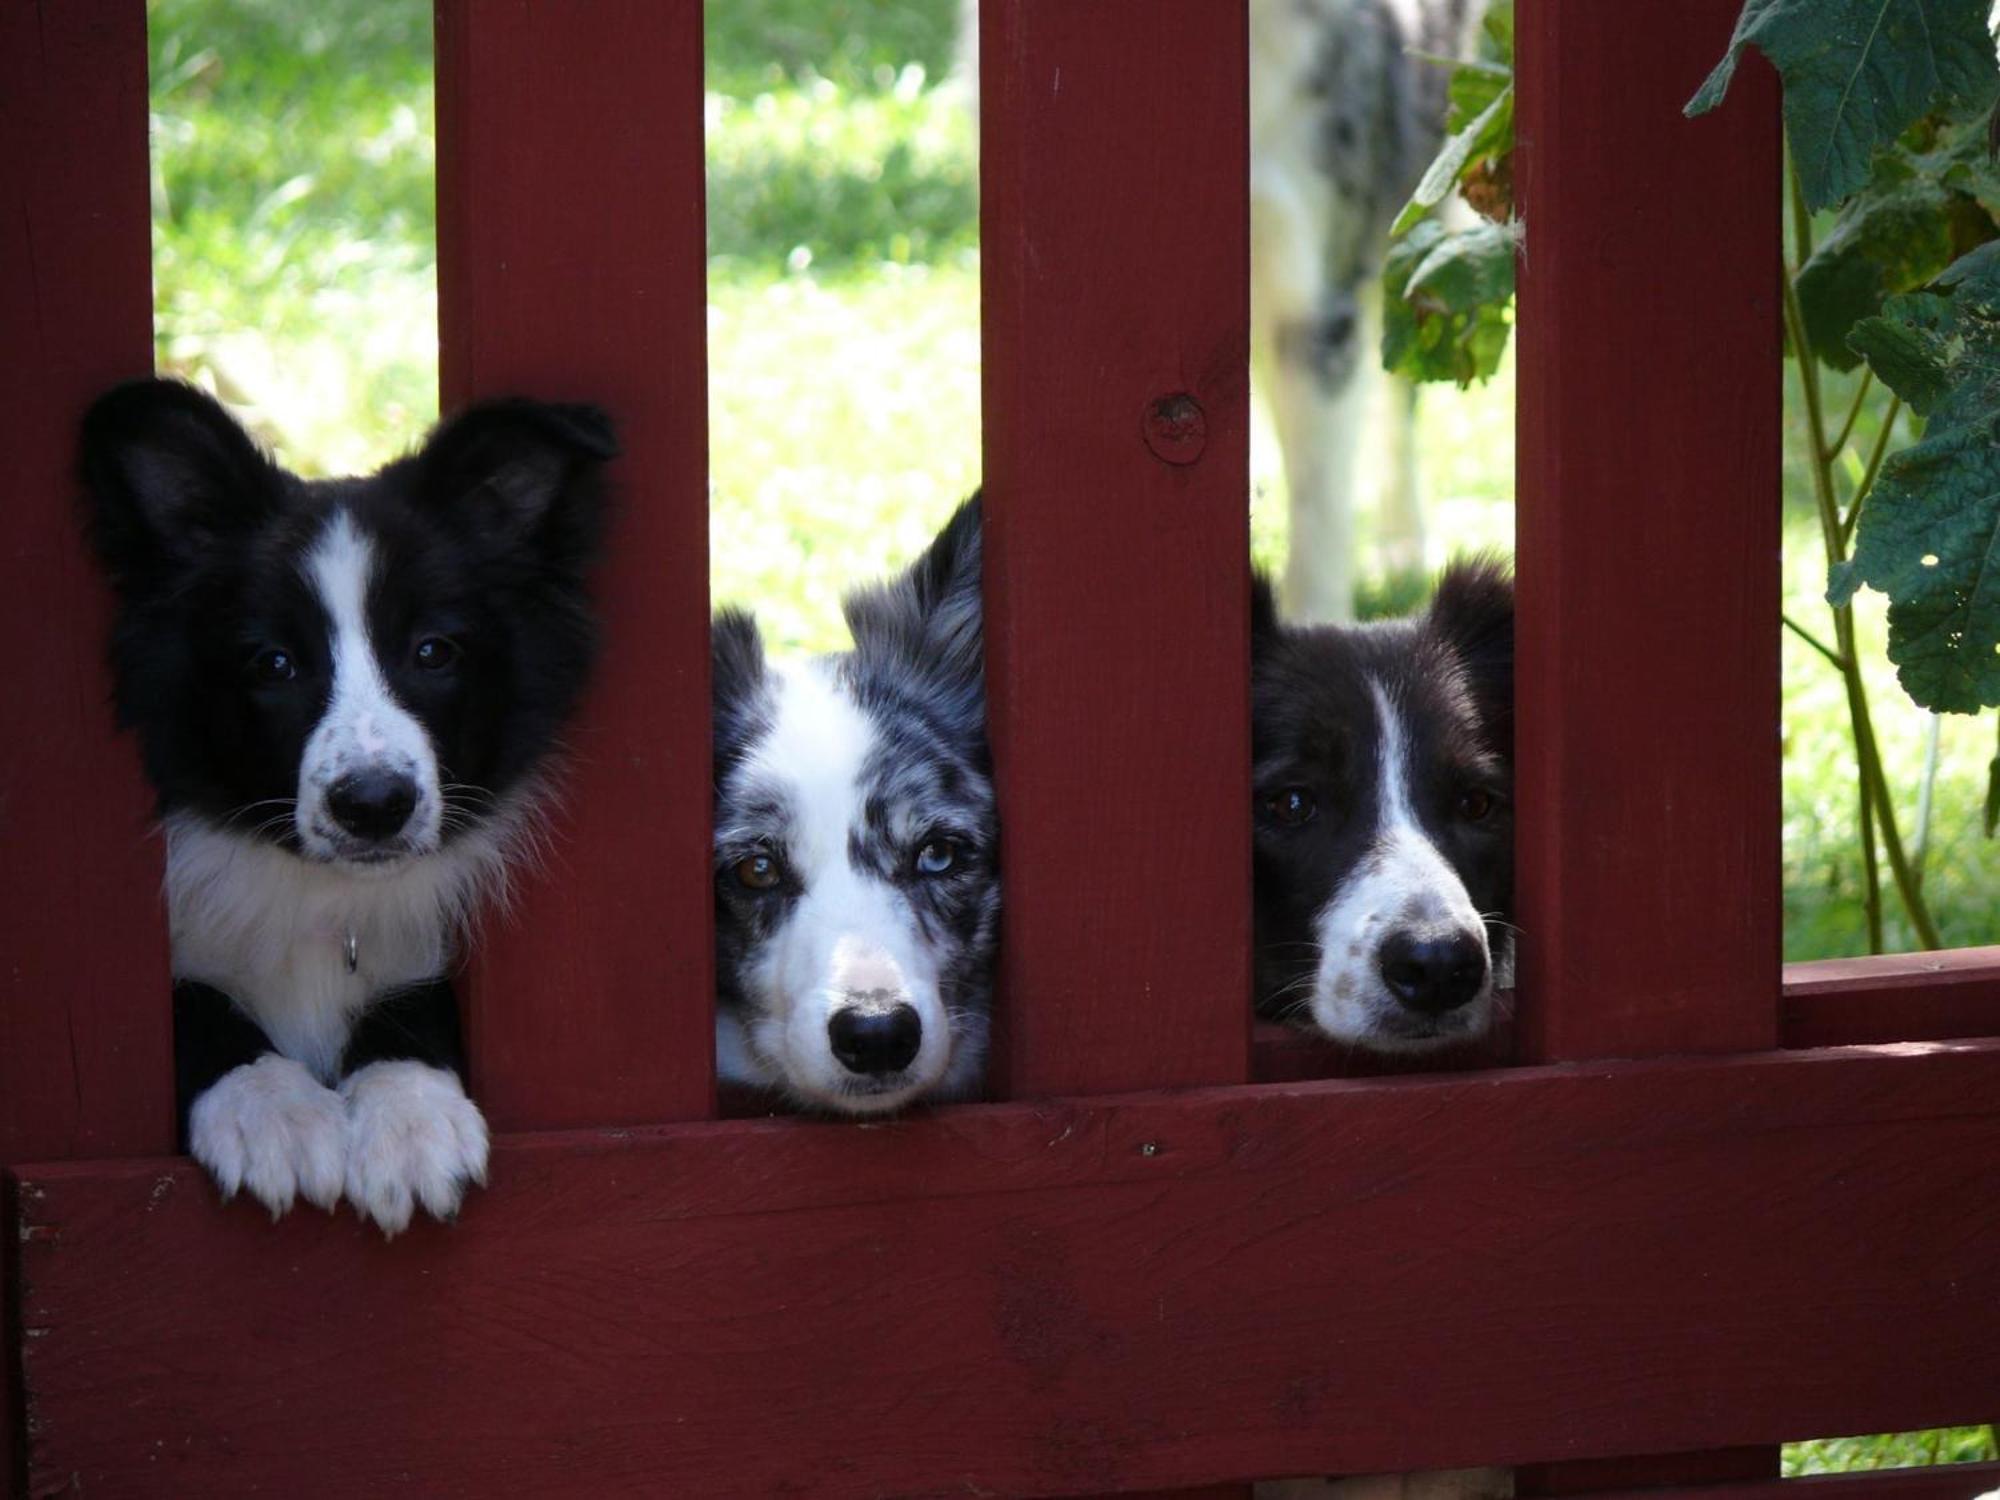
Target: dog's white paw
(412,1137)
(270,1128)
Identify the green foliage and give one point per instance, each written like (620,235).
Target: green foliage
(1448,292)
(1896,1450)
(1930,532)
(1930,198)
(1857,73)
(1486,132)
(1446,299)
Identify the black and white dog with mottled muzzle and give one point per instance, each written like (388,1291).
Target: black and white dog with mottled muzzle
(1383,778)
(856,847)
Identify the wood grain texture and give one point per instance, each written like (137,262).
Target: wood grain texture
(1117,535)
(572,266)
(1647,535)
(1513,1266)
(85,1039)
(1894,997)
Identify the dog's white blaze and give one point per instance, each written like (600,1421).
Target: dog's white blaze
(364,726)
(1406,884)
(849,932)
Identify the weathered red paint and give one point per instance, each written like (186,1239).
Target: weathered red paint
(1648,538)
(571,264)
(84,1015)
(1117,535)
(1903,997)
(1134,1292)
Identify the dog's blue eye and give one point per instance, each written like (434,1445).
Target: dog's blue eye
(436,652)
(273,664)
(936,857)
(1292,807)
(759,872)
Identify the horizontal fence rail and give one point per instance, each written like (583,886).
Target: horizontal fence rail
(1150,1290)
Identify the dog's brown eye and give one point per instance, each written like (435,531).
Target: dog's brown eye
(936,857)
(757,873)
(273,665)
(1474,805)
(1292,806)
(436,652)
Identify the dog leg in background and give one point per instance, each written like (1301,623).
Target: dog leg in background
(1399,524)
(1319,404)
(257,1121)
(413,1137)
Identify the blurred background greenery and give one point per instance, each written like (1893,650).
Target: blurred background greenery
(294,246)
(294,167)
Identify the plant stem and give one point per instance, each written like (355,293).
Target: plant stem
(1815,642)
(1871,898)
(1854,410)
(1877,810)
(1867,484)
(1926,795)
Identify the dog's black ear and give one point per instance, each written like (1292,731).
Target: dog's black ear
(1472,615)
(736,679)
(930,617)
(515,472)
(1264,627)
(169,475)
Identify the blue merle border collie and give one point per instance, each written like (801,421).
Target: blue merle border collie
(1383,779)
(346,693)
(856,847)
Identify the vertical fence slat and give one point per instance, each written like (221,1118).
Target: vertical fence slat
(1648,536)
(1116,311)
(572,265)
(86,1065)
(85,1021)
(1649,428)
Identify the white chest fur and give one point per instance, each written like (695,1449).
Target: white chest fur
(272,931)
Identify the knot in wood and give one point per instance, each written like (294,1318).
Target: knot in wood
(1175,428)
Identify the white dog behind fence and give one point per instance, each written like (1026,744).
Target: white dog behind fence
(1347,106)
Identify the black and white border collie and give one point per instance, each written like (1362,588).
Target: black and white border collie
(856,844)
(346,693)
(1382,763)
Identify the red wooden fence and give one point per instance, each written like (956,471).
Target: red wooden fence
(1718,1243)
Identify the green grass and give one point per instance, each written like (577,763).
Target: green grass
(296,274)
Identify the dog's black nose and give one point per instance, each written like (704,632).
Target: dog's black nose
(371,804)
(876,1042)
(1433,975)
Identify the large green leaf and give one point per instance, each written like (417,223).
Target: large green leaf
(1857,73)
(1929,535)
(1489,131)
(1446,297)
(1891,237)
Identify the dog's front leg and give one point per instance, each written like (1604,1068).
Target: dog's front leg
(257,1121)
(413,1137)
